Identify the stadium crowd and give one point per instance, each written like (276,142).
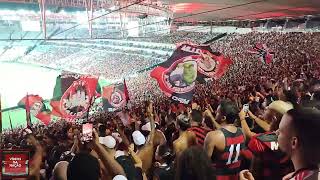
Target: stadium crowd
(179,36)
(259,121)
(112,65)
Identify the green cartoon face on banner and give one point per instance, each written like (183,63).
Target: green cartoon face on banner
(181,76)
(189,72)
(184,74)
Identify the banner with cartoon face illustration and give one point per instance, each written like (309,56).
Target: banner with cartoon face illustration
(189,62)
(114,96)
(73,95)
(177,76)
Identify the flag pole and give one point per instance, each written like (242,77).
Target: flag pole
(10,123)
(0,123)
(28,117)
(90,105)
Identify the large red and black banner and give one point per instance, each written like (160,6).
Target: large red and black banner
(177,76)
(73,95)
(114,96)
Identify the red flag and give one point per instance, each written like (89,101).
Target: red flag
(73,95)
(34,105)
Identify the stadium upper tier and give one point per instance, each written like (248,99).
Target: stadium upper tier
(114,59)
(108,57)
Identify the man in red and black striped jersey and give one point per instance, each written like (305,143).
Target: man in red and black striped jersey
(196,128)
(268,161)
(226,146)
(298,136)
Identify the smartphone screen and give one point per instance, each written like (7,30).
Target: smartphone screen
(246,107)
(87,132)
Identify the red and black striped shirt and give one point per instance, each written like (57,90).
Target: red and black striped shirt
(200,133)
(227,163)
(275,163)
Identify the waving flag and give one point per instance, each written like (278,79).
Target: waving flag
(263,53)
(73,95)
(177,76)
(114,96)
(35,106)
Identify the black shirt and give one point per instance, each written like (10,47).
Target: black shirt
(164,172)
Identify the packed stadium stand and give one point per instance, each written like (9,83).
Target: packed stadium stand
(159,89)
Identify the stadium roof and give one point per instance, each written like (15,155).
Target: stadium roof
(206,10)
(220,10)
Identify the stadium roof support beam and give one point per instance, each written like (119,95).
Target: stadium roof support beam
(89,5)
(122,25)
(42,6)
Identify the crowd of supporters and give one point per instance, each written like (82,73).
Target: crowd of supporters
(259,121)
(112,65)
(290,48)
(179,36)
(212,138)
